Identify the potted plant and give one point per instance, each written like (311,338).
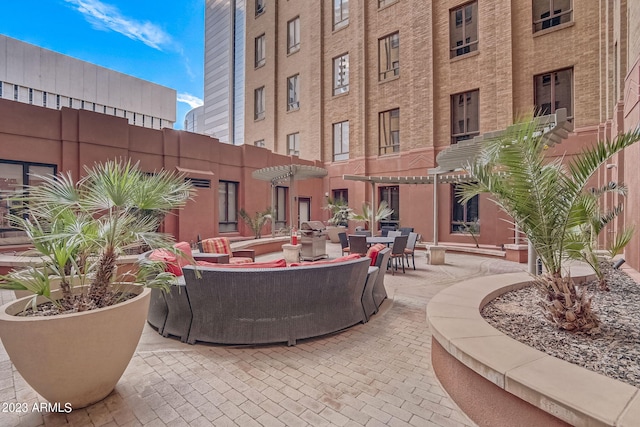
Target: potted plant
(371,217)
(256,222)
(341,213)
(75,337)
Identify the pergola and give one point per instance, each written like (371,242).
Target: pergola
(290,173)
(452,161)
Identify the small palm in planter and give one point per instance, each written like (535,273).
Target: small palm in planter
(80,229)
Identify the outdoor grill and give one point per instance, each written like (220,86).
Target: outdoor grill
(313,240)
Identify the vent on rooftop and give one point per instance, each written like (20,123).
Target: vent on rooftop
(200,183)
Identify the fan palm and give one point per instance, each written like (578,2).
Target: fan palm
(81,227)
(369,214)
(256,222)
(544,197)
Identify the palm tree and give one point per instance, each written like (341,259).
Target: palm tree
(543,196)
(368,214)
(258,221)
(82,227)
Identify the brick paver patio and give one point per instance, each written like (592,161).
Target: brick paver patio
(373,374)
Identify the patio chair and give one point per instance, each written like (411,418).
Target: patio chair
(344,242)
(397,252)
(385,229)
(221,245)
(358,244)
(405,230)
(410,249)
(394,233)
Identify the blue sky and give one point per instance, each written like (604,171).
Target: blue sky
(157,40)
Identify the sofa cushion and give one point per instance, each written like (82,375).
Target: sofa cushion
(217,245)
(240,260)
(169,258)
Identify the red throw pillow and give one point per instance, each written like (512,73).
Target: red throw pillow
(186,250)
(374,251)
(170,260)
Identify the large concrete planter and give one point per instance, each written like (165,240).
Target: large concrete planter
(332,232)
(76,358)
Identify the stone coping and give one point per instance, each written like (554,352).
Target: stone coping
(569,392)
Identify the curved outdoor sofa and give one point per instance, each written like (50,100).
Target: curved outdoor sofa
(268,305)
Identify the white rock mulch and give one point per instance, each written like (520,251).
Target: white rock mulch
(614,352)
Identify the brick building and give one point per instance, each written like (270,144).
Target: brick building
(379,88)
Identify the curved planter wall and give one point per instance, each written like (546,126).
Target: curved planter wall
(498,381)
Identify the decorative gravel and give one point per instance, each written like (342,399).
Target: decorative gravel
(614,352)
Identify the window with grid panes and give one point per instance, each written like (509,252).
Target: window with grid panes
(260,53)
(340,13)
(554,90)
(293,144)
(389,131)
(293,35)
(341,74)
(259,103)
(341,141)
(293,93)
(549,13)
(463,29)
(465,116)
(389,56)
(260,6)
(464,216)
(227,206)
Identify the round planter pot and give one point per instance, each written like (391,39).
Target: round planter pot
(76,358)
(332,232)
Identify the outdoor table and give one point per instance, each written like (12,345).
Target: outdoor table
(379,239)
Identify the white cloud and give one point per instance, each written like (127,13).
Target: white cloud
(193,101)
(104,16)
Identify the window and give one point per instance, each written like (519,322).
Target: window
(341,194)
(0,90)
(463,29)
(464,216)
(389,132)
(30,96)
(15,92)
(549,13)
(293,91)
(340,13)
(391,195)
(293,35)
(227,206)
(259,143)
(383,3)
(465,116)
(260,50)
(44,99)
(341,141)
(341,74)
(293,144)
(14,178)
(260,6)
(259,103)
(282,195)
(389,56)
(549,97)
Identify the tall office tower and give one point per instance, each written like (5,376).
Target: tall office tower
(224,70)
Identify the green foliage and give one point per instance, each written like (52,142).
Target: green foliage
(542,195)
(258,221)
(80,228)
(368,214)
(341,213)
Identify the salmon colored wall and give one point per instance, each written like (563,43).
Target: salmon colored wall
(71,139)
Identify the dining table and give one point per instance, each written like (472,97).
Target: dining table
(380,239)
